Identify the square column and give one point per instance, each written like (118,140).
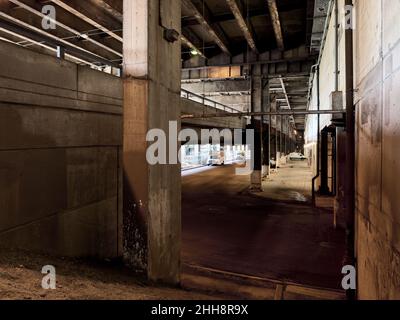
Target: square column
(152,193)
(266,106)
(256,124)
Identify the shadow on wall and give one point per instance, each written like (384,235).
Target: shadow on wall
(53,199)
(33,187)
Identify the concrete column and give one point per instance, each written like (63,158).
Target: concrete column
(283,136)
(287,141)
(324,188)
(279,139)
(266,106)
(152,193)
(274,123)
(256,106)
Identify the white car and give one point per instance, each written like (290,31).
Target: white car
(295,156)
(240,158)
(216,160)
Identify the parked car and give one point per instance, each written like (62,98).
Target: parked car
(296,156)
(241,158)
(216,160)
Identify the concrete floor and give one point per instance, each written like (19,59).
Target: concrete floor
(227,229)
(291,182)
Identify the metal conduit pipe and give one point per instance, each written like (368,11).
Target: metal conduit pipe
(311,83)
(318,138)
(350,152)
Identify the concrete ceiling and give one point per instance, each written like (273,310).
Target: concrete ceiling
(91,32)
(244,25)
(212,26)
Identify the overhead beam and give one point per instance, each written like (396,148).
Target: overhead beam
(276,23)
(49,41)
(117,5)
(306,60)
(112,7)
(79,10)
(219,86)
(190,45)
(237,11)
(285,93)
(260,114)
(206,21)
(69,29)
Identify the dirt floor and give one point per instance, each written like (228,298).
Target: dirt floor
(20,279)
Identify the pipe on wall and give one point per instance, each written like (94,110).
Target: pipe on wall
(316,67)
(350,151)
(318,136)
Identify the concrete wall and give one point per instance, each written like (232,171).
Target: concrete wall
(239,90)
(377,80)
(60,143)
(193,107)
(327,83)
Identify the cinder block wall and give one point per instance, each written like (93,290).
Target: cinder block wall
(60,150)
(377,79)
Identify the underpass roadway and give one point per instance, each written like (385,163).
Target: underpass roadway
(271,245)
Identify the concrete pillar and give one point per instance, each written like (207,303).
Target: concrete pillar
(279,137)
(266,106)
(283,136)
(274,125)
(340,208)
(256,106)
(324,188)
(152,193)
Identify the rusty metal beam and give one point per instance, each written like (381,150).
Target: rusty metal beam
(274,13)
(205,20)
(237,11)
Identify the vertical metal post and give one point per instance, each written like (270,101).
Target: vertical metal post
(350,150)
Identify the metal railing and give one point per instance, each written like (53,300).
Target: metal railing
(207,102)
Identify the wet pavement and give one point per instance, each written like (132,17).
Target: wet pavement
(268,235)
